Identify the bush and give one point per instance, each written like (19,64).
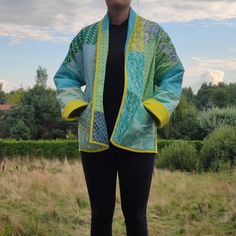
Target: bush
(20,131)
(216,117)
(59,148)
(218,151)
(180,155)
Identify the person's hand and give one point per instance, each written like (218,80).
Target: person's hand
(156,120)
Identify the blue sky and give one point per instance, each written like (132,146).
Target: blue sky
(39,33)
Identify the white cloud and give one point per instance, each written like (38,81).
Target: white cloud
(207,70)
(185,11)
(202,65)
(52,20)
(44,20)
(213,76)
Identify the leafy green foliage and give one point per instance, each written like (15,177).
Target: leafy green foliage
(41,77)
(35,113)
(180,155)
(2,94)
(40,113)
(15,96)
(19,130)
(183,123)
(220,95)
(218,151)
(59,148)
(215,117)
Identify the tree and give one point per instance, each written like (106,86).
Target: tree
(183,122)
(40,112)
(216,117)
(36,110)
(41,77)
(15,96)
(220,95)
(20,131)
(46,112)
(2,94)
(188,92)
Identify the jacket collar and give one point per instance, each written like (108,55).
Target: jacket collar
(100,67)
(131,22)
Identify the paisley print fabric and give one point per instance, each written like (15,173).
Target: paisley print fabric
(134,90)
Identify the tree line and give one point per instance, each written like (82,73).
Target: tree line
(35,112)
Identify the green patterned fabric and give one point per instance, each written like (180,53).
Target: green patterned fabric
(153,84)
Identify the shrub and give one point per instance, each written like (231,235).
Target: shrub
(59,148)
(20,131)
(180,155)
(215,117)
(218,151)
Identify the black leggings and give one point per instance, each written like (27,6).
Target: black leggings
(135,171)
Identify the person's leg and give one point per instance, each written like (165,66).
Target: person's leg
(100,174)
(135,172)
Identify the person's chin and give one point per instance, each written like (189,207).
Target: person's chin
(117,6)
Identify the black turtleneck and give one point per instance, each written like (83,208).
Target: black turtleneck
(114,79)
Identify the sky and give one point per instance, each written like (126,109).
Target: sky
(38,33)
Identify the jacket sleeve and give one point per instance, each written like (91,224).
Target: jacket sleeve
(69,79)
(168,79)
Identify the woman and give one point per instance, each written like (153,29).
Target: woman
(133,80)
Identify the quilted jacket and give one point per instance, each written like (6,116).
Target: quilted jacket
(153,84)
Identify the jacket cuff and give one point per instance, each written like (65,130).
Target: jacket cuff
(158,110)
(70,107)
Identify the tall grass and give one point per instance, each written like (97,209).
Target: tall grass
(49,197)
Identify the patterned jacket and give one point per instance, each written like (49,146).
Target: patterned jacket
(153,84)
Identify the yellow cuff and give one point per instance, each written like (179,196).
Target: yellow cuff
(70,107)
(158,110)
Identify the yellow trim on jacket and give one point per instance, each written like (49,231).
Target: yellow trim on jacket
(70,107)
(158,110)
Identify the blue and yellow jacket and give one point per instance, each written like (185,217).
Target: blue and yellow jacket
(153,84)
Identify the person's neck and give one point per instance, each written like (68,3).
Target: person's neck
(118,16)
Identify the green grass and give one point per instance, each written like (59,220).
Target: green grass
(42,197)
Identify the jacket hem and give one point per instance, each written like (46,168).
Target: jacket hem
(133,149)
(95,142)
(96,150)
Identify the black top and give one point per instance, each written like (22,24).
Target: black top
(114,79)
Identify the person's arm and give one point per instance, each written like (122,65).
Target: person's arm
(168,79)
(69,79)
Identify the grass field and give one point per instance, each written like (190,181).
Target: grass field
(42,197)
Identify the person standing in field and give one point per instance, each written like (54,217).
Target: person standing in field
(133,79)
